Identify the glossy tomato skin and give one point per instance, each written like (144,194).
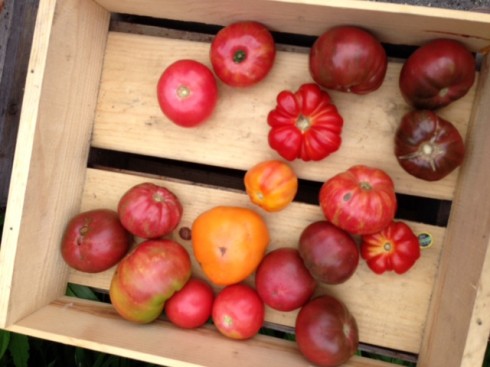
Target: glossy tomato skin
(94,241)
(437,73)
(283,281)
(428,146)
(360,200)
(326,332)
(330,253)
(243,53)
(238,311)
(348,59)
(305,124)
(187,92)
(149,211)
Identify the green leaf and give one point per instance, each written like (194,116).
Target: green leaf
(4,342)
(19,349)
(81,291)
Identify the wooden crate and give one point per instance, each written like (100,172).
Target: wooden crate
(90,88)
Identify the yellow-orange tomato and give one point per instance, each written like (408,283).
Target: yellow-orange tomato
(272,185)
(229,243)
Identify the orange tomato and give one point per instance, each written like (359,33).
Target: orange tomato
(272,185)
(229,243)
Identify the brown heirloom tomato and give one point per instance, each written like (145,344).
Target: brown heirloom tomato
(427,146)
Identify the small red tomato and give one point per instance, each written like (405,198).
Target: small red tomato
(242,53)
(427,146)
(238,311)
(305,124)
(94,241)
(191,306)
(149,211)
(187,92)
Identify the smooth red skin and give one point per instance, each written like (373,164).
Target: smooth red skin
(348,59)
(435,66)
(94,241)
(199,105)
(421,128)
(238,311)
(147,277)
(326,332)
(360,200)
(310,105)
(283,281)
(149,211)
(255,40)
(330,253)
(403,253)
(191,307)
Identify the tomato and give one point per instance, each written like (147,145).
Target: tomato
(272,185)
(94,241)
(148,210)
(305,124)
(348,59)
(238,311)
(243,53)
(394,248)
(326,332)
(330,254)
(283,281)
(191,306)
(427,146)
(437,73)
(187,92)
(360,200)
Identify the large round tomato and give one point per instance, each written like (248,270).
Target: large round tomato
(94,241)
(326,332)
(242,53)
(149,211)
(437,73)
(427,146)
(348,59)
(360,200)
(187,92)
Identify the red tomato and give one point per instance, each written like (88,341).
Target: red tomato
(238,311)
(305,124)
(191,306)
(187,92)
(326,332)
(437,73)
(394,248)
(283,281)
(330,254)
(149,211)
(242,53)
(94,241)
(360,200)
(427,146)
(348,59)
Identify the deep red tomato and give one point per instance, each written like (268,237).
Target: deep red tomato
(394,248)
(437,73)
(191,306)
(94,241)
(242,53)
(305,124)
(326,332)
(360,200)
(427,146)
(238,311)
(348,59)
(330,254)
(149,211)
(187,92)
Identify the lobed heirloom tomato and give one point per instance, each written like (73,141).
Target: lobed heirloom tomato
(427,146)
(394,248)
(305,124)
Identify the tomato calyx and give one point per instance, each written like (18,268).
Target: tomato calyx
(388,247)
(239,56)
(303,123)
(428,151)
